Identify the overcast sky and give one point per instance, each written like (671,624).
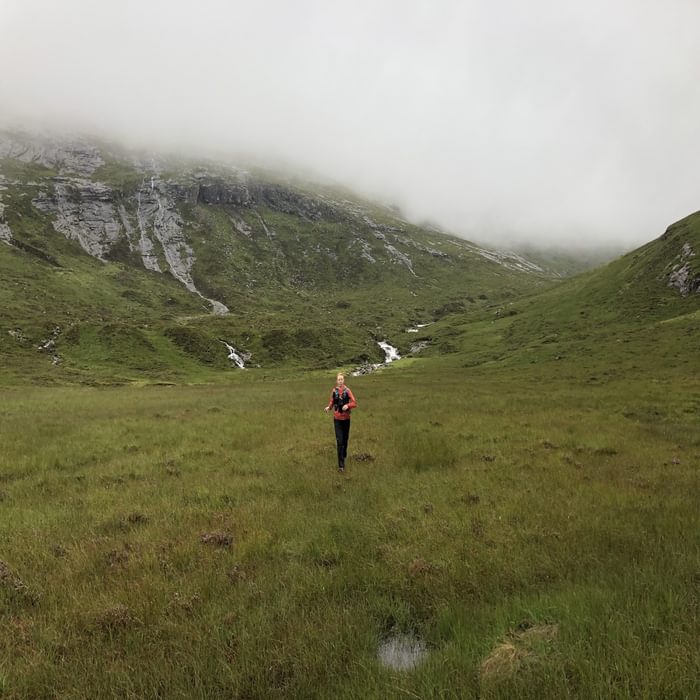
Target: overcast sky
(506,121)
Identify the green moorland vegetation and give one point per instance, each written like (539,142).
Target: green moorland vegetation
(539,532)
(309,283)
(523,500)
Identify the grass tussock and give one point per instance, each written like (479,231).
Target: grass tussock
(520,647)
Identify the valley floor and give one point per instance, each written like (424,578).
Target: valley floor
(538,533)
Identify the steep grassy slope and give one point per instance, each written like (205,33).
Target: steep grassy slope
(629,313)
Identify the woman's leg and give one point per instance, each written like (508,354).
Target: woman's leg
(339,440)
(346,438)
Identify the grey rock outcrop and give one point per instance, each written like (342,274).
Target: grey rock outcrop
(400,257)
(83,211)
(511,261)
(682,276)
(366,250)
(73,156)
(48,346)
(183,192)
(288,201)
(221,192)
(419,346)
(241,226)
(5,233)
(157,217)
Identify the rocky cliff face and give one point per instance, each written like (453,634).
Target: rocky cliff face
(120,206)
(149,222)
(66,156)
(82,211)
(96,216)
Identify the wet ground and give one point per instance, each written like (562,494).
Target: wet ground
(402,652)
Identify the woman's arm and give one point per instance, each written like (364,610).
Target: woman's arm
(351,403)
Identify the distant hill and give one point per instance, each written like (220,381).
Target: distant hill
(567,263)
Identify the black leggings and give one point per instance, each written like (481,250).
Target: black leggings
(342,434)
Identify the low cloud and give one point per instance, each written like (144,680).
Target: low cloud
(574,124)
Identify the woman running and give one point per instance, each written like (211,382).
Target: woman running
(342,402)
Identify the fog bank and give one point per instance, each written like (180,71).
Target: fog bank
(506,122)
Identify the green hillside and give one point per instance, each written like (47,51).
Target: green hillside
(623,315)
(120,262)
(114,264)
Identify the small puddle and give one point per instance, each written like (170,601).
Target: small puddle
(402,652)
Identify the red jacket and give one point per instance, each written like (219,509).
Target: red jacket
(344,415)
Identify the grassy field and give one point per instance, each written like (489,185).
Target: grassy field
(539,532)
(522,494)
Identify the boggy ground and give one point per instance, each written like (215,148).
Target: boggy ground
(538,531)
